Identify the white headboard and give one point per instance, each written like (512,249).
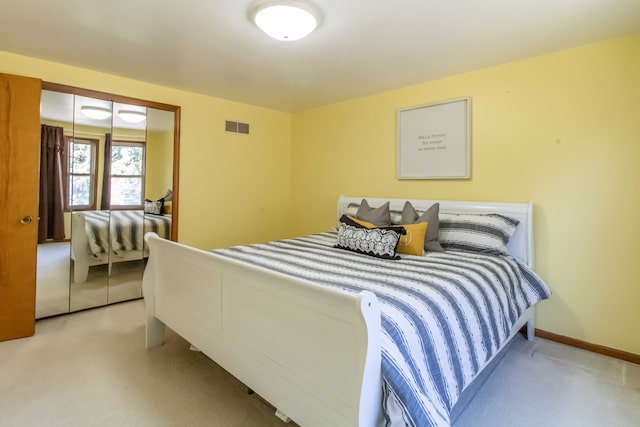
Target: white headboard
(520,244)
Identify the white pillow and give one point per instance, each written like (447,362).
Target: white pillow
(486,233)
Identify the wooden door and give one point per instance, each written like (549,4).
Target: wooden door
(19,161)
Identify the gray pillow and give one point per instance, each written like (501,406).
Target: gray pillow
(410,216)
(379,216)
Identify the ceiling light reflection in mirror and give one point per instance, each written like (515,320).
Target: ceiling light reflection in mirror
(132,116)
(63,107)
(96,113)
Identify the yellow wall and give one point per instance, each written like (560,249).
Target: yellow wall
(234,189)
(562,130)
(159,164)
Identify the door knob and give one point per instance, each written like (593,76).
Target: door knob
(26,219)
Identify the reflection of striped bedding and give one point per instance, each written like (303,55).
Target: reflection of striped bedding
(159,224)
(97,224)
(125,229)
(443,315)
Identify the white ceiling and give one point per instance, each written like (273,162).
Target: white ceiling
(361,46)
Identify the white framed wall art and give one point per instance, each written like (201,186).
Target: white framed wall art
(434,140)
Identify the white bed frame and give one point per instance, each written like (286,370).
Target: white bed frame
(81,255)
(313,353)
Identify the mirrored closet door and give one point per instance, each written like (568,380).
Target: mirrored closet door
(108,176)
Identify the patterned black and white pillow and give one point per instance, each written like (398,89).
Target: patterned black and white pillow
(486,233)
(153,207)
(380,242)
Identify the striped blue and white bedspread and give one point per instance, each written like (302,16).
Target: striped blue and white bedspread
(444,315)
(126,229)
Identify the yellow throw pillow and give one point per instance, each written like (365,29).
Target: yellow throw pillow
(412,243)
(361,222)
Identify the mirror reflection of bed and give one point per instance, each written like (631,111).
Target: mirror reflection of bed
(110,243)
(116,170)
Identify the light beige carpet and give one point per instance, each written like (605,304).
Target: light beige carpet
(91,369)
(546,384)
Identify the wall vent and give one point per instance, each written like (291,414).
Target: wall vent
(231,126)
(236,127)
(243,128)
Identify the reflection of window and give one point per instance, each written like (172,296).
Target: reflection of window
(80,170)
(127,174)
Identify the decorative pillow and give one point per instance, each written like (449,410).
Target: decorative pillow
(361,222)
(380,242)
(153,207)
(410,216)
(167,208)
(379,216)
(487,233)
(412,242)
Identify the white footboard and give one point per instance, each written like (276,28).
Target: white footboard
(311,352)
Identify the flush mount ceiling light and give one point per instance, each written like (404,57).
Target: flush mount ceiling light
(97,113)
(285,20)
(132,116)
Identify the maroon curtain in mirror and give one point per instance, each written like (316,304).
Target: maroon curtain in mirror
(51,209)
(105,202)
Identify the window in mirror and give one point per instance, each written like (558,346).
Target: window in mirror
(81,166)
(127,174)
